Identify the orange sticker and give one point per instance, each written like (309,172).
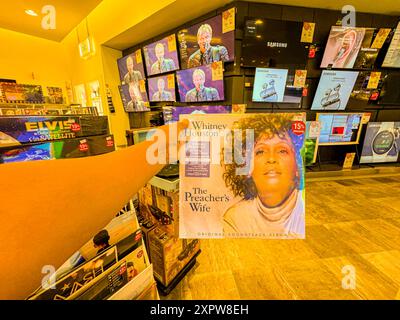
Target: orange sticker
(228,20)
(171,43)
(138,54)
(217,72)
(307,34)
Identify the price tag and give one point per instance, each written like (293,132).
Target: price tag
(75,127)
(217,71)
(374,80)
(314,130)
(380,38)
(239,108)
(365,118)
(312,51)
(298,128)
(348,161)
(300,78)
(171,81)
(171,43)
(138,54)
(109,142)
(228,20)
(305,92)
(142,87)
(83,145)
(307,34)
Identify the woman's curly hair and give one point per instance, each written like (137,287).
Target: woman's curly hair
(267,126)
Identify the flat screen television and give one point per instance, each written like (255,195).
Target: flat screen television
(392,58)
(366,56)
(273,43)
(131,68)
(206,42)
(334,89)
(342,47)
(162,88)
(390,91)
(134,97)
(203,83)
(171,114)
(339,128)
(161,56)
(381,142)
(276,85)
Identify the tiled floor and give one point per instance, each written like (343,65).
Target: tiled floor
(352,223)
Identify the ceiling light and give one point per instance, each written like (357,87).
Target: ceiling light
(31,12)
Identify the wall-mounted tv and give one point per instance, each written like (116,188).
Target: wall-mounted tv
(131,68)
(392,58)
(206,42)
(276,85)
(342,47)
(339,128)
(171,114)
(162,88)
(366,56)
(134,97)
(204,83)
(390,91)
(334,90)
(381,142)
(161,56)
(273,43)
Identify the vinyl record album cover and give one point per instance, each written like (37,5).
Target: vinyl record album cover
(205,43)
(242,176)
(161,56)
(334,89)
(381,142)
(204,83)
(342,47)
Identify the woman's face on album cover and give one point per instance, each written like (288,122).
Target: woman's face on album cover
(274,170)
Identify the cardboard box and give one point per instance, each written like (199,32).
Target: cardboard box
(63,149)
(30,129)
(169,255)
(161,207)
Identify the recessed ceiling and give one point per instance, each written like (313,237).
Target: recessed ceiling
(68,15)
(182,11)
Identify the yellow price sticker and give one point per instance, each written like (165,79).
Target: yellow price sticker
(171,81)
(138,54)
(307,34)
(228,20)
(380,38)
(300,78)
(217,72)
(141,86)
(171,43)
(373,81)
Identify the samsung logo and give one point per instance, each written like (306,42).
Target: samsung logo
(277,44)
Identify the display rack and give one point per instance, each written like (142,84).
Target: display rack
(16,109)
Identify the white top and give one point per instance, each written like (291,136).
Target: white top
(252,219)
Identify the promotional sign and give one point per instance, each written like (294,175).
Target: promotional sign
(161,56)
(205,42)
(229,185)
(334,90)
(348,161)
(307,34)
(380,38)
(201,83)
(381,142)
